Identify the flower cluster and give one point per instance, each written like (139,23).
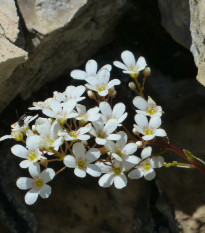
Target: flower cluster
(91,141)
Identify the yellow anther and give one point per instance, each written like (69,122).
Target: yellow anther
(39,182)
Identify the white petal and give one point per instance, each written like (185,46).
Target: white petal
(19,151)
(69,161)
(141,63)
(114,137)
(128,58)
(157,161)
(108,67)
(55,106)
(113,82)
(150,175)
(92,155)
(148,137)
(34,170)
(45,191)
(79,172)
(110,126)
(69,106)
(139,130)
(31,196)
(93,170)
(105,109)
(123,140)
(91,67)
(47,174)
(133,159)
(105,168)
(49,112)
(100,141)
(32,142)
(155,122)
(25,163)
(140,103)
(79,150)
(146,152)
(6,137)
(135,174)
(103,76)
(120,181)
(129,149)
(78,74)
(160,133)
(24,183)
(120,65)
(141,120)
(106,180)
(118,110)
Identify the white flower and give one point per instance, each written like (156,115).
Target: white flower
(101,83)
(149,129)
(61,112)
(130,65)
(91,115)
(79,134)
(71,93)
(148,107)
(37,185)
(123,151)
(118,113)
(82,161)
(145,168)
(31,155)
(90,70)
(48,132)
(19,129)
(104,132)
(114,174)
(41,104)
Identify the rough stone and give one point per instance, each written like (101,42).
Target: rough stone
(77,31)
(10,55)
(176,20)
(197,27)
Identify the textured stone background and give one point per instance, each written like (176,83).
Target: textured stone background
(50,48)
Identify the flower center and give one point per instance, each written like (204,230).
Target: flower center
(102,87)
(18,136)
(39,182)
(147,166)
(82,164)
(32,156)
(119,152)
(151,111)
(73,134)
(117,171)
(101,134)
(134,69)
(149,131)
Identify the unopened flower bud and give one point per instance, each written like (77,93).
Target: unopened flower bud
(132,86)
(111,90)
(113,94)
(147,71)
(135,131)
(139,143)
(91,94)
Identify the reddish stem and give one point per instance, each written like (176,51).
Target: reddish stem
(181,153)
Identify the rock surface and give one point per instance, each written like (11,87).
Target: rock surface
(197,27)
(10,55)
(176,20)
(61,34)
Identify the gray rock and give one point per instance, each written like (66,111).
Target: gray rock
(176,20)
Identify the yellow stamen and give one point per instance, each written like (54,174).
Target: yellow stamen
(73,134)
(151,111)
(147,166)
(103,87)
(32,156)
(119,152)
(39,182)
(149,131)
(82,164)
